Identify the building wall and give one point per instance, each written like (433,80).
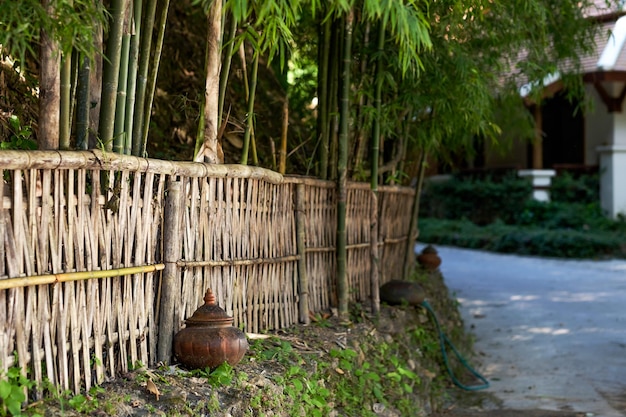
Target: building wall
(599,126)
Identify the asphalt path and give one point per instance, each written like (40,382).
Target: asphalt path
(551,334)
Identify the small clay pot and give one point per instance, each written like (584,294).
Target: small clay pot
(209,338)
(429,259)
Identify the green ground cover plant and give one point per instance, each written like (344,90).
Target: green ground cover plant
(500,216)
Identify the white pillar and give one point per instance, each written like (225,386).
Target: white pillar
(541,180)
(613,179)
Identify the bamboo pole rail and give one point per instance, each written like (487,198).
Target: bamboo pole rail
(21,282)
(97,159)
(237,262)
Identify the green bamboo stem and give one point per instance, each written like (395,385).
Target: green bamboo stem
(374,153)
(30,281)
(227,60)
(142,77)
(342,162)
(409,251)
(83,104)
(119,133)
(250,115)
(201,110)
(111,72)
(133,62)
(154,72)
(323,98)
(66,101)
(333,105)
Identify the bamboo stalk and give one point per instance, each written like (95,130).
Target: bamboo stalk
(147,24)
(374,153)
(75,276)
(131,87)
(282,168)
(409,251)
(303,281)
(66,87)
(228,57)
(82,105)
(250,111)
(342,160)
(110,75)
(49,87)
(154,72)
(324,96)
(119,133)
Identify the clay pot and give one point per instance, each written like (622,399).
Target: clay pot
(402,292)
(209,338)
(429,259)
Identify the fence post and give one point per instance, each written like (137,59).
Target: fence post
(303,280)
(169,282)
(374,254)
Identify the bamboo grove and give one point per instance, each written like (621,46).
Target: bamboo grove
(396,83)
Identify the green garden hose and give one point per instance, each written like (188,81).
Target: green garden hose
(443,341)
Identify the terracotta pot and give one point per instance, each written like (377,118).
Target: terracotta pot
(209,338)
(429,261)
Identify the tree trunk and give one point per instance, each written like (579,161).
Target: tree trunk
(211,150)
(342,161)
(49,89)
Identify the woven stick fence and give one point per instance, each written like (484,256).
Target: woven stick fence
(85,234)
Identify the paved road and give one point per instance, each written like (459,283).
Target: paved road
(552,332)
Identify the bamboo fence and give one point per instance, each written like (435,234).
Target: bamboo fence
(103,256)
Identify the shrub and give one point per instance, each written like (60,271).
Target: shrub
(481,200)
(567,188)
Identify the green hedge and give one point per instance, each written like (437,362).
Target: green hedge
(499,237)
(481,200)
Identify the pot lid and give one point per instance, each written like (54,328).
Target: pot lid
(209,313)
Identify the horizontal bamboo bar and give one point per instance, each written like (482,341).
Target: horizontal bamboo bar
(96,159)
(396,239)
(237,262)
(9,283)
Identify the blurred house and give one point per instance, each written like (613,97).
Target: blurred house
(566,139)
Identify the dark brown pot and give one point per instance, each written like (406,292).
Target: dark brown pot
(209,338)
(397,292)
(429,261)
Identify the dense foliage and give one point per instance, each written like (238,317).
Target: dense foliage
(423,76)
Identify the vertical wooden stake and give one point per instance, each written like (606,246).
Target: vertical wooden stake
(303,280)
(169,282)
(374,256)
